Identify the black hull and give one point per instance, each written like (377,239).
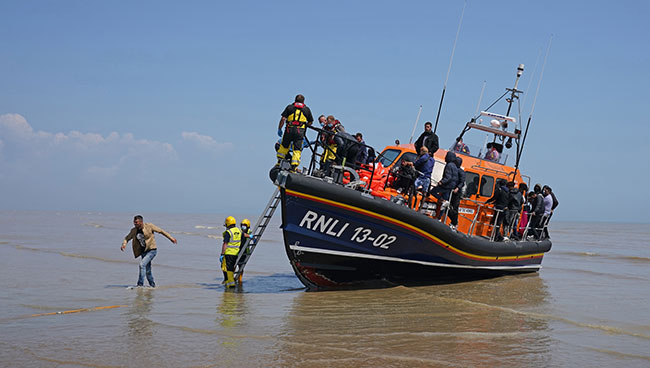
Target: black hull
(324,272)
(337,237)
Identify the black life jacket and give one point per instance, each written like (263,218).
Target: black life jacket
(297,118)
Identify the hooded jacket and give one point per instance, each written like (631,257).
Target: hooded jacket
(501,197)
(516,199)
(450,175)
(461,174)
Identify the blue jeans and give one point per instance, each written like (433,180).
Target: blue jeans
(422,182)
(145,267)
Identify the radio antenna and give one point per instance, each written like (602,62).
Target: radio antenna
(532,109)
(480,98)
(415,125)
(451,59)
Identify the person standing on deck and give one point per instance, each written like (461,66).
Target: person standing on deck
(297,116)
(428,139)
(456,195)
(144,244)
(501,199)
(362,156)
(548,209)
(230,248)
(538,211)
(515,201)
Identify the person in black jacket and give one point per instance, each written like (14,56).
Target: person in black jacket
(448,182)
(538,211)
(501,198)
(405,175)
(428,139)
(456,195)
(514,206)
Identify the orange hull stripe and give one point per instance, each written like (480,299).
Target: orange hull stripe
(412,228)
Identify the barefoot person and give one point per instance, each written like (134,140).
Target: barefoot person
(144,244)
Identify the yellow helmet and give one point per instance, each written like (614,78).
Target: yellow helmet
(246,222)
(229,221)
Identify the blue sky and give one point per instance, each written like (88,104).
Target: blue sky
(173,106)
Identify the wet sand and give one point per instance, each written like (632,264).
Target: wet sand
(586,307)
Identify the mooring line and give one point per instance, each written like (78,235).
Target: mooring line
(64,312)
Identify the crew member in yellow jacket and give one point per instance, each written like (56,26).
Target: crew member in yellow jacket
(144,244)
(230,249)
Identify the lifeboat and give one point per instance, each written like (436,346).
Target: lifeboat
(350,228)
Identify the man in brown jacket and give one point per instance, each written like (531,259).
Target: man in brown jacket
(144,245)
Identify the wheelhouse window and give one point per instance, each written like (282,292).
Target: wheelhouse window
(487,186)
(471,182)
(388,156)
(407,156)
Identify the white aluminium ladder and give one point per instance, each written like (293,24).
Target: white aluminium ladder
(246,252)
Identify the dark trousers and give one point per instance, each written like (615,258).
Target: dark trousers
(500,219)
(453,208)
(511,222)
(534,224)
(293,135)
(442,194)
(231,262)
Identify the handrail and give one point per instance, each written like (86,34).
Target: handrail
(321,132)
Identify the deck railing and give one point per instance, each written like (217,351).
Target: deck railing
(410,196)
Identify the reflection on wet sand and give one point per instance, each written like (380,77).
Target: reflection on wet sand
(489,322)
(141,327)
(231,310)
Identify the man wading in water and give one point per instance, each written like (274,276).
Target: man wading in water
(144,245)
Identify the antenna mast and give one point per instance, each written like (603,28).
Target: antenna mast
(514,92)
(451,59)
(415,125)
(530,117)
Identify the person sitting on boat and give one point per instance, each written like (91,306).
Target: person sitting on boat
(428,139)
(297,116)
(404,176)
(424,166)
(460,146)
(456,195)
(501,199)
(492,154)
(448,182)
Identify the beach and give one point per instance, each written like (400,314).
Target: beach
(66,302)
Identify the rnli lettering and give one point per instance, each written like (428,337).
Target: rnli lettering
(468,211)
(323,224)
(332,227)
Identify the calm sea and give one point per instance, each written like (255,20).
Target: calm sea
(589,305)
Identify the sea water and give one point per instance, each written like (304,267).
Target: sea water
(64,301)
